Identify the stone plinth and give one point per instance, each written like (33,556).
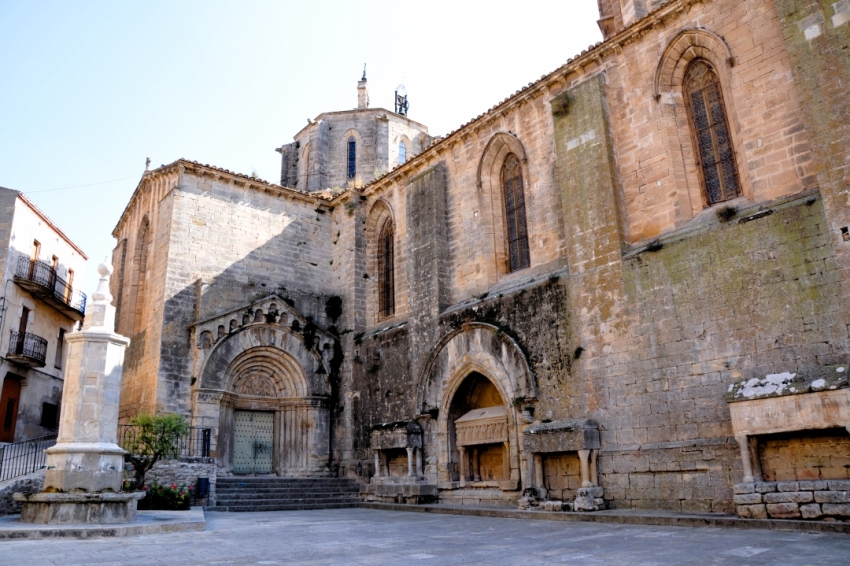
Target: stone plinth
(401,489)
(78,508)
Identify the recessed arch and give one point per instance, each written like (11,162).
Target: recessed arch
(685,47)
(381,264)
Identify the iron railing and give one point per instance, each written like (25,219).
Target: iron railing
(196,443)
(56,288)
(27,347)
(22,458)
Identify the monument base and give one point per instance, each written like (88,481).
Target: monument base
(78,508)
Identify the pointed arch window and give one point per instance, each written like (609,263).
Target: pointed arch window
(402,152)
(517,232)
(386,267)
(352,158)
(710,127)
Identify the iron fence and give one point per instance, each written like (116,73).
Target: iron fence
(22,458)
(29,346)
(196,443)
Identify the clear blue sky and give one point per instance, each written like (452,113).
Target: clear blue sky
(89,89)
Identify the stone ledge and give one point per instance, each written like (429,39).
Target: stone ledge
(146,523)
(625,516)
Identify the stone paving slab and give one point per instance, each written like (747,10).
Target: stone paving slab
(375,538)
(146,523)
(626,516)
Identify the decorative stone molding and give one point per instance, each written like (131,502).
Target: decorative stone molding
(482,426)
(685,47)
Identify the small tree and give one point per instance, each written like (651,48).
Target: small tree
(155,438)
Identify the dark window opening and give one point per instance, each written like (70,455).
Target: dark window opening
(49,416)
(60,349)
(714,152)
(10,414)
(386,283)
(517,232)
(352,158)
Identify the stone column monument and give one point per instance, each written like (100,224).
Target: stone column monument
(82,483)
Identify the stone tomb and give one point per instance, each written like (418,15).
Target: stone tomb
(390,484)
(580,436)
(817,399)
(482,441)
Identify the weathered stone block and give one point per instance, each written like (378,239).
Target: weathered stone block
(752,511)
(789,496)
(765,487)
(839,485)
(742,488)
(783,510)
(836,509)
(788,486)
(747,498)
(811,511)
(832,496)
(813,486)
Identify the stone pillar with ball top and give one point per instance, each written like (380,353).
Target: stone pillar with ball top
(84,475)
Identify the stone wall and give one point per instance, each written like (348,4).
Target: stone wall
(805,455)
(31,483)
(794,500)
(182,471)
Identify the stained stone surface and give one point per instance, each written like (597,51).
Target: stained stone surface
(362,536)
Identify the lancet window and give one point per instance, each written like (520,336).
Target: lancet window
(517,232)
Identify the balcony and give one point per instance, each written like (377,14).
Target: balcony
(27,349)
(41,280)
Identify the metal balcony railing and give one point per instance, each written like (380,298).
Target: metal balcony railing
(28,349)
(41,280)
(22,458)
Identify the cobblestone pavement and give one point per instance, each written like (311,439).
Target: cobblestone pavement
(363,536)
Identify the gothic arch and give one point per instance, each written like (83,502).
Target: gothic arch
(475,348)
(379,218)
(478,347)
(491,198)
(359,161)
(685,48)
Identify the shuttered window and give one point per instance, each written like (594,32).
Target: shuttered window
(515,214)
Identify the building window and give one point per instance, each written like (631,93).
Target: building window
(49,416)
(515,213)
(386,265)
(402,153)
(352,158)
(714,152)
(60,349)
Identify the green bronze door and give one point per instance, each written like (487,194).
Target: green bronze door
(252,450)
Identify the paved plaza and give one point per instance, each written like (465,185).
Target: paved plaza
(363,536)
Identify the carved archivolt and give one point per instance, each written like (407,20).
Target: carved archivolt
(255,385)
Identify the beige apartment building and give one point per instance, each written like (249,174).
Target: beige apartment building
(42,272)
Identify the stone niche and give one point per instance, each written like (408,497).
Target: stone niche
(578,437)
(398,465)
(778,406)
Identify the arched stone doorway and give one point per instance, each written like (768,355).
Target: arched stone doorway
(473,368)
(266,396)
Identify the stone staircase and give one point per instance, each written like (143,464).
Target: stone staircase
(284,494)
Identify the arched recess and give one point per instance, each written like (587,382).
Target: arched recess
(378,221)
(491,200)
(476,348)
(688,46)
(266,368)
(138,281)
(304,169)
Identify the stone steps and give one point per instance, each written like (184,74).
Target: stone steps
(284,494)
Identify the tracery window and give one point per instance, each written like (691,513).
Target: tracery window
(352,158)
(714,151)
(517,233)
(386,264)
(402,152)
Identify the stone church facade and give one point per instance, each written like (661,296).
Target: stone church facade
(556,296)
